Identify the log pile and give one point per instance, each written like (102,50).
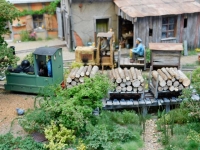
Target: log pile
(127,80)
(170,79)
(76,75)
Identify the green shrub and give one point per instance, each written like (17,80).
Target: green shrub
(148,55)
(24,36)
(8,142)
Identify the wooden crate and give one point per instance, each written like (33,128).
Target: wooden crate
(165,54)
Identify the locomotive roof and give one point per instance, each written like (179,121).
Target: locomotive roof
(45,51)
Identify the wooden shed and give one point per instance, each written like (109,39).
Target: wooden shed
(165,54)
(161,21)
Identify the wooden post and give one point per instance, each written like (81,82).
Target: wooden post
(185,48)
(119,55)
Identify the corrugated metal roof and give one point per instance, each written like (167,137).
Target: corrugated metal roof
(28,1)
(166,46)
(142,8)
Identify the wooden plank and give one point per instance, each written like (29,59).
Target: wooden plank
(147,32)
(159,29)
(154,22)
(178,28)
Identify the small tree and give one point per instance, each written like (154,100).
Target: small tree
(7,14)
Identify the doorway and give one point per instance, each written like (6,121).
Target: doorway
(102,25)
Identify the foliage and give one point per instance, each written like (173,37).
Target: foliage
(8,13)
(76,65)
(24,35)
(29,57)
(58,136)
(108,134)
(50,9)
(8,142)
(194,136)
(71,107)
(148,55)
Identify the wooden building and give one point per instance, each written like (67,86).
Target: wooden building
(44,25)
(162,20)
(154,21)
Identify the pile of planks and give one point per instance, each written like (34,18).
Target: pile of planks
(77,75)
(170,79)
(127,80)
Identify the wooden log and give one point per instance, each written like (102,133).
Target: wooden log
(171,88)
(118,78)
(165,88)
(173,79)
(129,88)
(130,75)
(132,70)
(73,83)
(169,82)
(78,73)
(184,78)
(73,75)
(124,80)
(128,83)
(111,76)
(162,74)
(122,84)
(135,89)
(84,71)
(89,69)
(126,74)
(121,73)
(76,80)
(124,89)
(136,83)
(69,86)
(162,82)
(113,73)
(81,79)
(94,71)
(166,73)
(68,80)
(139,75)
(118,89)
(180,87)
(160,88)
(176,84)
(170,71)
(140,89)
(176,89)
(177,76)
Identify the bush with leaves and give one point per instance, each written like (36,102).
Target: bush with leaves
(9,142)
(58,136)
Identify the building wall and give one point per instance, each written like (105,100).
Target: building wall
(84,17)
(191,33)
(22,20)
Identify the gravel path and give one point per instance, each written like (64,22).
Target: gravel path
(151,136)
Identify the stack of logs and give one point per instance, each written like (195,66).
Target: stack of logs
(76,75)
(170,79)
(127,80)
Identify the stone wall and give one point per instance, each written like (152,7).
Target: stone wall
(84,17)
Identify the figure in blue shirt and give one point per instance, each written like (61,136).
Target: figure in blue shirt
(49,67)
(138,50)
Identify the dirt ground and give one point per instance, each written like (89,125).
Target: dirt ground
(8,104)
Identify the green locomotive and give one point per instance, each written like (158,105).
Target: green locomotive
(36,78)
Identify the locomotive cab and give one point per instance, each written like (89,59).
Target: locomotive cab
(32,83)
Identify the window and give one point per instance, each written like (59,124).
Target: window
(185,22)
(150,32)
(168,27)
(37,21)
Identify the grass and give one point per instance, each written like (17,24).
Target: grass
(180,141)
